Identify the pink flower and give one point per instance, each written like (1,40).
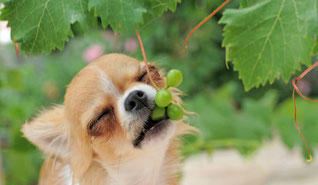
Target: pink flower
(93,52)
(131,45)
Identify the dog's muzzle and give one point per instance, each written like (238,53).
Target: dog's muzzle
(136,100)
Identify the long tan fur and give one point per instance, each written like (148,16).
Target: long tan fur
(104,156)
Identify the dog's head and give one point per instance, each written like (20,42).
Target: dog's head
(106,113)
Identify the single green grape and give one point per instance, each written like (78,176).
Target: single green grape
(163,98)
(174,112)
(158,113)
(174,78)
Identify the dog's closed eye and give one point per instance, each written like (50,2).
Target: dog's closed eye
(98,118)
(102,122)
(142,76)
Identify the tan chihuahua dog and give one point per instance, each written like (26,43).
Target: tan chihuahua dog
(103,134)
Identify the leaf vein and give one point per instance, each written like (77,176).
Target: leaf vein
(38,26)
(122,12)
(297,15)
(255,25)
(265,43)
(51,19)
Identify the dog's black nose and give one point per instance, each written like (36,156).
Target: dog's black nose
(136,100)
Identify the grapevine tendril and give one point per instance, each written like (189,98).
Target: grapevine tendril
(145,59)
(295,81)
(203,21)
(17,49)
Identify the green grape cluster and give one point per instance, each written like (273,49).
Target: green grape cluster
(163,99)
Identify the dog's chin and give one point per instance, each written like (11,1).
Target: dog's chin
(153,130)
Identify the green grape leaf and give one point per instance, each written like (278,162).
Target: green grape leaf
(121,15)
(40,26)
(267,39)
(43,25)
(311,17)
(160,6)
(315,49)
(79,13)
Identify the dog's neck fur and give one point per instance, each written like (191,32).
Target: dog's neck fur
(143,170)
(149,168)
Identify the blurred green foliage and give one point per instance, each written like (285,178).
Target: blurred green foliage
(227,116)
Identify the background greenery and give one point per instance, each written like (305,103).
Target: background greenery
(227,116)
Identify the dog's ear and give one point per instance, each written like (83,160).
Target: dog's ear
(48,131)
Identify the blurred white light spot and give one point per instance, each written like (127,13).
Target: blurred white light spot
(5,37)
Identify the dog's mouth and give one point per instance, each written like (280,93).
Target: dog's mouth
(150,127)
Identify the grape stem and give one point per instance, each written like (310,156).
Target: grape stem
(145,59)
(294,82)
(16,48)
(174,101)
(203,21)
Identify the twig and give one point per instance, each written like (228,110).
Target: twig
(203,21)
(145,59)
(294,82)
